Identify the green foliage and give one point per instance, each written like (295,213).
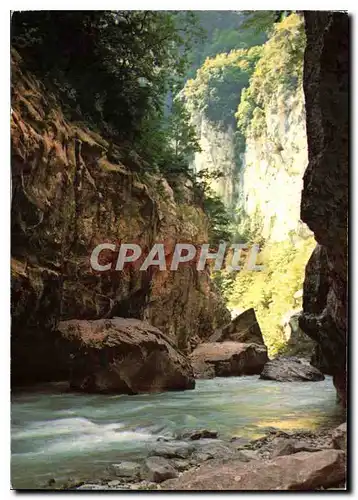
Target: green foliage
(218,215)
(169,141)
(270,291)
(223,31)
(116,66)
(281,65)
(217,87)
(263,20)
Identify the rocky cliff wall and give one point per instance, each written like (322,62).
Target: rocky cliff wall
(72,189)
(324,204)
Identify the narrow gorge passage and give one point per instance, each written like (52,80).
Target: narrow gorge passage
(179,250)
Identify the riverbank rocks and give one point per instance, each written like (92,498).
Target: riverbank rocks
(125,470)
(225,359)
(244,328)
(339,437)
(124,355)
(158,469)
(290,369)
(301,471)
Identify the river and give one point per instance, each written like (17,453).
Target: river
(63,435)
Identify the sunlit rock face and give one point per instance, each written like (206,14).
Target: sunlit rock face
(217,144)
(325,194)
(273,166)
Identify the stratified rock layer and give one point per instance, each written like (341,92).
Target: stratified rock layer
(123,355)
(73,189)
(324,205)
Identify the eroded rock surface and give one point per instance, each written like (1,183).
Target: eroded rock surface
(124,356)
(301,471)
(73,189)
(324,205)
(290,369)
(224,359)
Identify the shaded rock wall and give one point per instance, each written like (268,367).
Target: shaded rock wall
(71,190)
(324,205)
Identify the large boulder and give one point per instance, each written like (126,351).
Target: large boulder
(301,471)
(123,355)
(244,328)
(225,359)
(290,369)
(324,205)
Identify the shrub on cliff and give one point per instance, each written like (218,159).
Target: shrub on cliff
(218,83)
(280,65)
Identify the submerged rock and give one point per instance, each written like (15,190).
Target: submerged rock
(124,355)
(125,469)
(302,471)
(225,359)
(173,449)
(200,434)
(290,369)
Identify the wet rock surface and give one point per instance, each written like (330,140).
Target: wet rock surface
(290,369)
(277,461)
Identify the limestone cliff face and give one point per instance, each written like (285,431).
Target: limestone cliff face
(71,190)
(272,168)
(325,194)
(217,144)
(264,158)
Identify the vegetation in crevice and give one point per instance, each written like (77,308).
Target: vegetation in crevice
(279,70)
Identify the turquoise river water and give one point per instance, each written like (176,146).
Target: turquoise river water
(70,435)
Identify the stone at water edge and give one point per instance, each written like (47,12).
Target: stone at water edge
(301,471)
(225,359)
(339,437)
(125,469)
(172,449)
(123,356)
(158,469)
(290,369)
(282,446)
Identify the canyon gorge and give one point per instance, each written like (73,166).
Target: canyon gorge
(252,147)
